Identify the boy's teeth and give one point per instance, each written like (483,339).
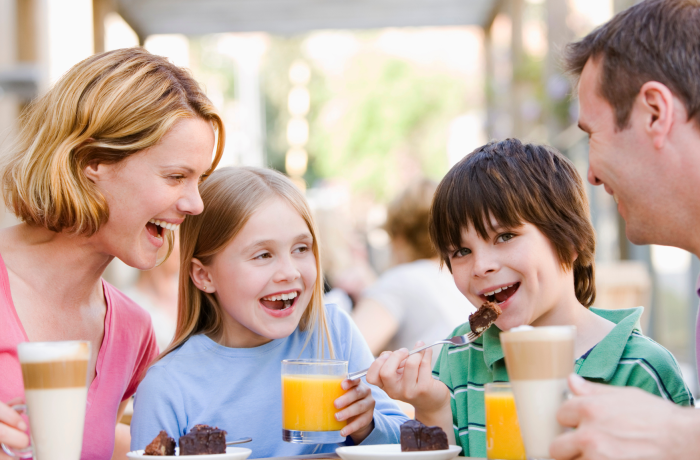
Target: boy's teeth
(487,294)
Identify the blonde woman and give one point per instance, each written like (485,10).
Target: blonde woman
(250,297)
(106,164)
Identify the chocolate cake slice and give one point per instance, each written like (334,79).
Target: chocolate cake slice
(484,317)
(415,437)
(203,440)
(161,445)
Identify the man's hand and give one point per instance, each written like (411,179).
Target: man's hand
(624,423)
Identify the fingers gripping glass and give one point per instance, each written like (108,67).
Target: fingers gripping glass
(18,453)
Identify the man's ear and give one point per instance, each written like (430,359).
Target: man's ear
(201,277)
(657,103)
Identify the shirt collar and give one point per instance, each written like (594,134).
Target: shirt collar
(492,346)
(603,360)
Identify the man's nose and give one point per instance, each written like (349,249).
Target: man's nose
(592,178)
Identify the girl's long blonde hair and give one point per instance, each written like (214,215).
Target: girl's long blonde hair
(103,110)
(231,195)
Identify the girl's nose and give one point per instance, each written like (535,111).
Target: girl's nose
(287,270)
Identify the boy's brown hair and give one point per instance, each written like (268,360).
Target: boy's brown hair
(655,40)
(516,183)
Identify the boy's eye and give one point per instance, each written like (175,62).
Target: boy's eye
(461,252)
(504,237)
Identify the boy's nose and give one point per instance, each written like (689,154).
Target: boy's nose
(484,264)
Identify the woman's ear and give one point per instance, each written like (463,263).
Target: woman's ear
(201,277)
(97,172)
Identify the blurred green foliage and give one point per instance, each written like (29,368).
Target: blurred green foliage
(372,124)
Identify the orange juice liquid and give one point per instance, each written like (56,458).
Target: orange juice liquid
(503,439)
(307,402)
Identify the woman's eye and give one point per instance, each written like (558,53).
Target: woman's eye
(264,255)
(461,252)
(301,249)
(504,237)
(177,177)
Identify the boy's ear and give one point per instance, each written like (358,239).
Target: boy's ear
(201,277)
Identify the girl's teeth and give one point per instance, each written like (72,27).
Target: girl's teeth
(289,296)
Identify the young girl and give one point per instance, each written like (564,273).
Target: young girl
(250,297)
(511,223)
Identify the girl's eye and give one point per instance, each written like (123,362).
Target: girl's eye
(461,252)
(264,255)
(177,177)
(504,237)
(301,249)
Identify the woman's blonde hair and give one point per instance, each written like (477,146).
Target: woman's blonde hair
(231,196)
(103,110)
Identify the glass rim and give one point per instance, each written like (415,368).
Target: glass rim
(498,385)
(310,362)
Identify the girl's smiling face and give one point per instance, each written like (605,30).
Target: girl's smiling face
(264,278)
(516,268)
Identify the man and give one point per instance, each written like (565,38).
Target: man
(639,93)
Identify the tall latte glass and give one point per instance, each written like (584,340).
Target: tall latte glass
(538,360)
(55,394)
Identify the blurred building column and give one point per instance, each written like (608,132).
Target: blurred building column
(557,86)
(517,56)
(100,10)
(247,88)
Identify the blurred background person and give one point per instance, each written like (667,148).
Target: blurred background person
(416,299)
(156,291)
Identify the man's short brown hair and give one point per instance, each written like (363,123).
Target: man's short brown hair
(517,183)
(655,40)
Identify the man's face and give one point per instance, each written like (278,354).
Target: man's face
(620,160)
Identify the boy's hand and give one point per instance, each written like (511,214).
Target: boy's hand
(358,409)
(410,379)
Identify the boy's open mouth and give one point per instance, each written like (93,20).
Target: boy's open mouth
(280,301)
(500,295)
(156,228)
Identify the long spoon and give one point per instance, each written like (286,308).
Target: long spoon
(239,441)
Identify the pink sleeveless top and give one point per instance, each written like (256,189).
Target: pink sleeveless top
(128,347)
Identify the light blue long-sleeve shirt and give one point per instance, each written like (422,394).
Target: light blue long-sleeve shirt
(240,390)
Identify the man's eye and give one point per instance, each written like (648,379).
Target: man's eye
(461,252)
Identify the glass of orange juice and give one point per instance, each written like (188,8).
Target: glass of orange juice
(309,389)
(503,439)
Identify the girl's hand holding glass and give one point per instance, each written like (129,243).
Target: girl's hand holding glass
(357,407)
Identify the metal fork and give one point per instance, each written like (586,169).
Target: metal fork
(456,340)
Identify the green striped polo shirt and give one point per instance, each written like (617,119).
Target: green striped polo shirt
(624,357)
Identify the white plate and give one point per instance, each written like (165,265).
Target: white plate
(232,453)
(393,452)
